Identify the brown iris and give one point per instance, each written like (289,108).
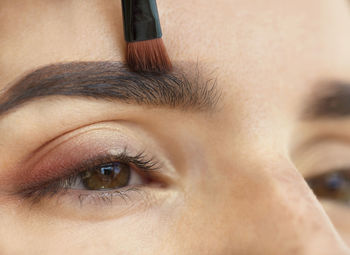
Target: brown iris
(108,176)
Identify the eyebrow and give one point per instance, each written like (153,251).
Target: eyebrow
(330,102)
(113,81)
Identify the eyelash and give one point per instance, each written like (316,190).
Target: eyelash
(147,168)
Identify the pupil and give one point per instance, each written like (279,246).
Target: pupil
(108,176)
(109,170)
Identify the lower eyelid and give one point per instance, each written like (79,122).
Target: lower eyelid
(99,205)
(110,196)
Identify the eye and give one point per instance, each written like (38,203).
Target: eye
(334,186)
(109,176)
(107,173)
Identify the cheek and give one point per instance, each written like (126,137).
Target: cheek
(137,234)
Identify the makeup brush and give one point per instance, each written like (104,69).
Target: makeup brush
(145,48)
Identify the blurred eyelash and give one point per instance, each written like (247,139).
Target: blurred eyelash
(59,186)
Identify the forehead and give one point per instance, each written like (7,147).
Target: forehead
(247,42)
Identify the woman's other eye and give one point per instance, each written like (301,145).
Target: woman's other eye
(332,186)
(109,176)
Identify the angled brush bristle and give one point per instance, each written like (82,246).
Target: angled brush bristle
(148,56)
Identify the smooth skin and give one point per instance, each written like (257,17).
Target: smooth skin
(235,184)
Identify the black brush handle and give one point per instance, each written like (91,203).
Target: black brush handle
(141,20)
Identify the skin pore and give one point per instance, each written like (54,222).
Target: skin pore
(230,178)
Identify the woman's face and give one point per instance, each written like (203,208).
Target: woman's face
(216,151)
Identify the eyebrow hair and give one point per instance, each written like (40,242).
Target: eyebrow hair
(333,101)
(113,81)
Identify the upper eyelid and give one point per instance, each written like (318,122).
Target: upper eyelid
(81,131)
(101,139)
(77,132)
(321,152)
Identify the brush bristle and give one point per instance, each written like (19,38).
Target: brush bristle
(148,56)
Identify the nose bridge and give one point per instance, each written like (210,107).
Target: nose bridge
(283,213)
(267,208)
